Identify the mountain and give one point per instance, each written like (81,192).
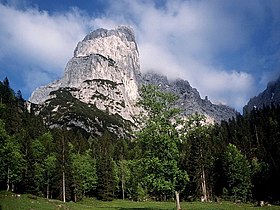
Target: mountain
(271,95)
(189,99)
(100,87)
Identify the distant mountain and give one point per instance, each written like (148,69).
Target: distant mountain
(189,99)
(100,87)
(271,95)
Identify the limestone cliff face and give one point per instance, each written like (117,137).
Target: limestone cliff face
(103,72)
(100,87)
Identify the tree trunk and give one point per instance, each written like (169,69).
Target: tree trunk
(203,185)
(122,189)
(63,171)
(257,137)
(122,180)
(8,179)
(177,196)
(48,186)
(63,187)
(203,180)
(75,195)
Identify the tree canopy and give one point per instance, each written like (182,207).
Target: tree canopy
(234,160)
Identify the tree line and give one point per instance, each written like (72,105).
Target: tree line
(169,157)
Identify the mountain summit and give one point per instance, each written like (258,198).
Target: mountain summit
(103,72)
(100,87)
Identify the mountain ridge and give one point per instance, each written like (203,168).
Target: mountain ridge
(189,98)
(269,96)
(104,73)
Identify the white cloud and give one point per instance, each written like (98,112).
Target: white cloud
(38,38)
(232,88)
(185,38)
(180,39)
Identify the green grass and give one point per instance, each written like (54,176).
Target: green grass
(9,201)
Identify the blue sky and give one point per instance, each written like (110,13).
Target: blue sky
(228,49)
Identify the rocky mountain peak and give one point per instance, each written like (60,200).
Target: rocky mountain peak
(107,42)
(124,32)
(103,75)
(100,87)
(103,54)
(271,95)
(189,98)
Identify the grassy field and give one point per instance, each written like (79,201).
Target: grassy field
(9,201)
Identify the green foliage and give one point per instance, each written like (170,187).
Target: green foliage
(132,176)
(159,143)
(43,162)
(50,173)
(238,174)
(83,168)
(105,170)
(6,92)
(256,135)
(71,108)
(198,149)
(123,175)
(12,162)
(157,103)
(152,165)
(62,139)
(102,82)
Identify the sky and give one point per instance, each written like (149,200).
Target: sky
(227,49)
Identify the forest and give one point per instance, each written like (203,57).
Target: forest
(167,158)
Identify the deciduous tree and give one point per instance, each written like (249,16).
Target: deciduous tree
(159,143)
(238,174)
(83,168)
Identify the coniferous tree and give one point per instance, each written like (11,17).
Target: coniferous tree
(6,92)
(200,159)
(105,168)
(39,154)
(62,140)
(33,161)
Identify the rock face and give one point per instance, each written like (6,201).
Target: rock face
(271,95)
(189,99)
(103,72)
(99,89)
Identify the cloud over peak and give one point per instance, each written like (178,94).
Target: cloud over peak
(218,46)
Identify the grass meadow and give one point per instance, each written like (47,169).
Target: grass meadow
(9,201)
